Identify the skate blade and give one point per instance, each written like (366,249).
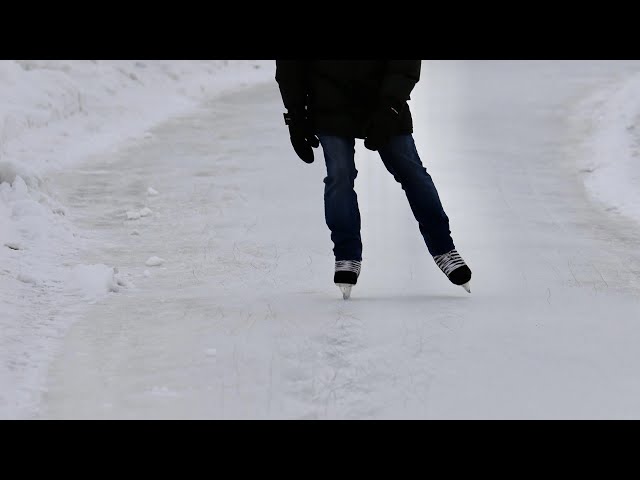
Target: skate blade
(467,287)
(345,288)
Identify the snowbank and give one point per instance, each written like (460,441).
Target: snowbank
(610,162)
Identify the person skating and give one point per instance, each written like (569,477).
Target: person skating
(334,102)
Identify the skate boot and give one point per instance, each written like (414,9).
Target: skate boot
(454,267)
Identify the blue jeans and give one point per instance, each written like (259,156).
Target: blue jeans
(401,159)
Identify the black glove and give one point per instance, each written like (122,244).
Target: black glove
(302,137)
(381,127)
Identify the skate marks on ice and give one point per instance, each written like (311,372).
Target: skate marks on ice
(362,360)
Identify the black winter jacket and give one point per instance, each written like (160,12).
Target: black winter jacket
(341,95)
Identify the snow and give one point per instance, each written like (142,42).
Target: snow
(610,161)
(27,278)
(54,115)
(154,262)
(93,281)
(244,322)
(138,214)
(145,212)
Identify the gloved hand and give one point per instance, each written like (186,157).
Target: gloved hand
(381,127)
(302,137)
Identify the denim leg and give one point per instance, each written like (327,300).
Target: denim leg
(401,158)
(340,200)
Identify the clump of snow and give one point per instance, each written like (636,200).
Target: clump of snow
(138,214)
(10,171)
(94,281)
(154,262)
(33,236)
(152,192)
(28,278)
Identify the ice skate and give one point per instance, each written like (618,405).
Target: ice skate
(455,268)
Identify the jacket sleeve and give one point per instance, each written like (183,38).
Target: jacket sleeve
(398,82)
(291,76)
